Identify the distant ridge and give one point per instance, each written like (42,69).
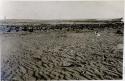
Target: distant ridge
(60,21)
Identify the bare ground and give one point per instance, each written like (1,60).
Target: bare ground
(61,56)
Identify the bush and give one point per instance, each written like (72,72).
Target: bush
(119,32)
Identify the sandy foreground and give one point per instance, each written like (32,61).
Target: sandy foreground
(61,56)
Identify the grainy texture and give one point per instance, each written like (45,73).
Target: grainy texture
(62,56)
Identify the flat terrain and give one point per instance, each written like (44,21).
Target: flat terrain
(61,56)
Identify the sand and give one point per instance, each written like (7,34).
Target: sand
(61,56)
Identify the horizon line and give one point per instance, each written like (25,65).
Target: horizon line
(61,19)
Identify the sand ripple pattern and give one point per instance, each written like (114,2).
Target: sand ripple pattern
(61,56)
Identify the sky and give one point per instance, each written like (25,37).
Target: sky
(48,10)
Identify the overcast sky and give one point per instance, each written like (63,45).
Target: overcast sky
(63,9)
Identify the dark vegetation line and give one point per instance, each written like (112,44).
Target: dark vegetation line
(67,27)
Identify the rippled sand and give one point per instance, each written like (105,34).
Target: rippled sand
(61,56)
